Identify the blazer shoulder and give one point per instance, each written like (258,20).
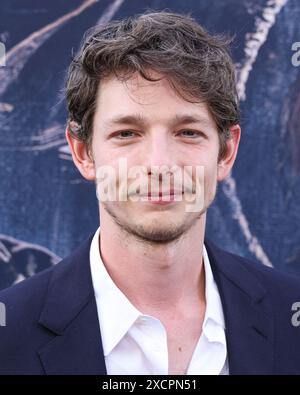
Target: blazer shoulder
(27,290)
(24,331)
(21,335)
(271,276)
(28,293)
(280,283)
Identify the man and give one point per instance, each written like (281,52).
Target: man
(152,96)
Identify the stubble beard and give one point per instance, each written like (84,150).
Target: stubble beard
(155,234)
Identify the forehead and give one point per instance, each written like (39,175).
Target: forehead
(155,99)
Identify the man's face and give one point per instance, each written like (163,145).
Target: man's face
(158,128)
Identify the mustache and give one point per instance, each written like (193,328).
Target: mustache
(140,184)
(155,187)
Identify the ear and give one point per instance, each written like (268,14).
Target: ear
(225,165)
(81,158)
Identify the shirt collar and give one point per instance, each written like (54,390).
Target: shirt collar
(213,326)
(214,309)
(117,314)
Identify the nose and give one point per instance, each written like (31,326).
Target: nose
(160,158)
(159,151)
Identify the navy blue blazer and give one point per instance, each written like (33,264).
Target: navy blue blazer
(52,325)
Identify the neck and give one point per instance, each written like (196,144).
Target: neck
(164,278)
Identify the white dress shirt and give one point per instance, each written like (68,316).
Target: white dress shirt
(135,343)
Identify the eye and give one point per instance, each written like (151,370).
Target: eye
(125,134)
(191,133)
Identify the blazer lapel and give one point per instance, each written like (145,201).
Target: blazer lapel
(70,312)
(247,313)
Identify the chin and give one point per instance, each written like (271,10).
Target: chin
(157,232)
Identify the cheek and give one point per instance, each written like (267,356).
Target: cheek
(102,153)
(210,178)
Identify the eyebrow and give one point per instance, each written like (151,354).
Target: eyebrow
(137,119)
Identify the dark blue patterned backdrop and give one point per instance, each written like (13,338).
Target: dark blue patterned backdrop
(46,208)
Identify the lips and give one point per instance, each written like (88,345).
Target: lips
(167,193)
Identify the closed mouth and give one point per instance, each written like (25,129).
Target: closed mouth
(166,193)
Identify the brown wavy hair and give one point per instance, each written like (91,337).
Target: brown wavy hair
(197,64)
